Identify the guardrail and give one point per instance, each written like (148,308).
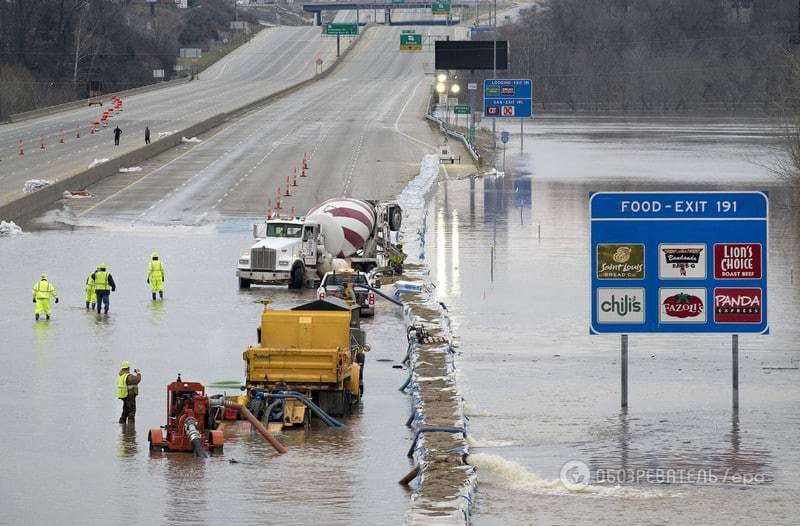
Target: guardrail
(457,135)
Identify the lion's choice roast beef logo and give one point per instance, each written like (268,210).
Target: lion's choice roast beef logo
(737,305)
(682,261)
(737,261)
(620,261)
(682,305)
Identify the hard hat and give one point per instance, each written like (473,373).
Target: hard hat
(154,255)
(101,266)
(44,276)
(126,365)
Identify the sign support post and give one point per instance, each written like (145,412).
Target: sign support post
(337,45)
(623,360)
(521,135)
(735,364)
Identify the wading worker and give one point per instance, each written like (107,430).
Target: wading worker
(103,285)
(43,290)
(155,276)
(127,389)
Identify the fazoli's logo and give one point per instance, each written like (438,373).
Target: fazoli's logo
(683,306)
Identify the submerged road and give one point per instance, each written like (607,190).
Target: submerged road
(274,59)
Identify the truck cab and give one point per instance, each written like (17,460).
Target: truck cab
(283,249)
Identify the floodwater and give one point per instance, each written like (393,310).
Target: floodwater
(67,460)
(540,391)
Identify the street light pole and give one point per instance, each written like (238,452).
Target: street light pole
(494,75)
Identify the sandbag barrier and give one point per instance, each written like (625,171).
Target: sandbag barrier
(445,483)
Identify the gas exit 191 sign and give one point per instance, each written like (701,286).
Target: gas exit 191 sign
(679,262)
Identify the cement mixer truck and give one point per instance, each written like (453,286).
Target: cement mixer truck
(339,233)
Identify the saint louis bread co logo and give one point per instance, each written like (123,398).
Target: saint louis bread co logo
(737,305)
(620,261)
(685,261)
(737,261)
(682,305)
(620,305)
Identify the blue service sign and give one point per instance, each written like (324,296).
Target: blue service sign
(504,137)
(679,262)
(508,98)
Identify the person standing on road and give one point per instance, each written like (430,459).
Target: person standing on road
(91,297)
(43,290)
(103,286)
(127,390)
(147,135)
(155,276)
(117,133)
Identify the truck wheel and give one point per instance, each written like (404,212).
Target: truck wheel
(298,278)
(244,283)
(395,218)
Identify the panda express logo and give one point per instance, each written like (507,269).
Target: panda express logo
(620,261)
(737,305)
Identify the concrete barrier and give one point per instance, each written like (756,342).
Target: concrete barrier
(35,203)
(84,103)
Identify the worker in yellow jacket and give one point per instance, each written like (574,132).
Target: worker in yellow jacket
(127,390)
(91,295)
(155,276)
(43,290)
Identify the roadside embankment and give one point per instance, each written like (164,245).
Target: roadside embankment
(445,482)
(32,204)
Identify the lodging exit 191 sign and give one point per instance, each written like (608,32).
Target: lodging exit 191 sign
(679,262)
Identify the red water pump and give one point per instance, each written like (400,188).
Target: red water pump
(190,421)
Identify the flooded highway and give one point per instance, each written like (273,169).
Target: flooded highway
(541,392)
(71,462)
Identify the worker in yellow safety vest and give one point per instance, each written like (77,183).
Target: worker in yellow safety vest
(103,285)
(43,290)
(91,297)
(155,276)
(127,390)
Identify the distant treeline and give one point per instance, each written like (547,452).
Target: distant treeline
(51,51)
(659,56)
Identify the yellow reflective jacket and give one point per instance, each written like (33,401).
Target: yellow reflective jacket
(43,290)
(155,269)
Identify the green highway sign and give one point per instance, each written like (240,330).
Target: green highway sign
(398,1)
(408,31)
(440,7)
(462,110)
(409,42)
(341,29)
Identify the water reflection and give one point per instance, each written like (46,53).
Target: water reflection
(127,442)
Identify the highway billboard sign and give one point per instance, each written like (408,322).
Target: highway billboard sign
(440,7)
(341,29)
(462,110)
(679,262)
(410,42)
(508,98)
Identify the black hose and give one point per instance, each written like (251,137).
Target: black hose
(325,417)
(381,294)
(268,411)
(197,445)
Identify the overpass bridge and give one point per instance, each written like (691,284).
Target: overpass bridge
(316,8)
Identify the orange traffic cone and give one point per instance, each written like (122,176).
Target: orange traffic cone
(77,132)
(303,172)
(278,204)
(61,138)
(294,180)
(21,149)
(287,194)
(292,214)
(41,146)
(269,208)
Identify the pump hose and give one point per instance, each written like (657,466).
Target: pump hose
(190,427)
(325,417)
(258,425)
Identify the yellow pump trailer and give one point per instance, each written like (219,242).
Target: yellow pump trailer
(317,350)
